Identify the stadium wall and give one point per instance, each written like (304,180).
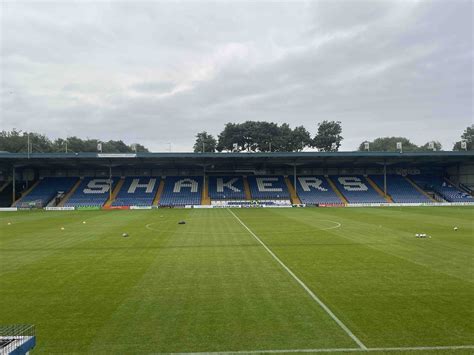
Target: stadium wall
(463,174)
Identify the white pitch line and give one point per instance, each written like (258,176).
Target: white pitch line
(335,350)
(337,225)
(424,348)
(302,284)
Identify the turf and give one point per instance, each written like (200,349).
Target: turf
(209,285)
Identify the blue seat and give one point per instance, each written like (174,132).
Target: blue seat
(182,191)
(226,188)
(137,191)
(92,192)
(356,189)
(268,187)
(46,190)
(400,190)
(446,190)
(315,190)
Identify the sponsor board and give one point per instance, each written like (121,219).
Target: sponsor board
(140,207)
(116,208)
(59,208)
(203,206)
(8,209)
(226,206)
(432,204)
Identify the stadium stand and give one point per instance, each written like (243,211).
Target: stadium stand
(315,190)
(182,190)
(292,191)
(45,190)
(92,192)
(356,189)
(400,189)
(137,191)
(446,190)
(261,178)
(248,195)
(6,198)
(268,187)
(226,188)
(468,189)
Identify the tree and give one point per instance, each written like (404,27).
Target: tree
(59,145)
(39,143)
(14,141)
(264,135)
(261,136)
(249,136)
(205,143)
(300,138)
(230,135)
(328,138)
(292,140)
(116,147)
(139,148)
(426,146)
(282,143)
(389,144)
(17,142)
(468,136)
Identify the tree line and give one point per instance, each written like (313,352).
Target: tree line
(16,141)
(249,136)
(261,136)
(389,144)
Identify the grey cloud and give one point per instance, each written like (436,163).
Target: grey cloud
(153,87)
(161,72)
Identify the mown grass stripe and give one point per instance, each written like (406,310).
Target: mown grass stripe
(302,284)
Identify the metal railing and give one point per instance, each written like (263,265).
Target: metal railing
(15,335)
(465,187)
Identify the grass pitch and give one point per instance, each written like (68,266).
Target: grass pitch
(210,285)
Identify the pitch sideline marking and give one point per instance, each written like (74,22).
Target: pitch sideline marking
(302,284)
(334,350)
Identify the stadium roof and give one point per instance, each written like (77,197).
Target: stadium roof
(313,159)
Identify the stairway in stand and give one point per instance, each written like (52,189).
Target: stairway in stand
(156,200)
(248,195)
(114,193)
(205,199)
(336,190)
(70,193)
(293,195)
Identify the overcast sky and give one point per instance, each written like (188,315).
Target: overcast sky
(159,72)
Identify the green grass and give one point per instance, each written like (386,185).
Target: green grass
(210,286)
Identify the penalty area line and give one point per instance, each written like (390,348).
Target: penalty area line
(302,284)
(335,350)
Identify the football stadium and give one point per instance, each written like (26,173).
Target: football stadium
(210,177)
(342,252)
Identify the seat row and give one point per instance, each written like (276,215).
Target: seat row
(443,188)
(188,190)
